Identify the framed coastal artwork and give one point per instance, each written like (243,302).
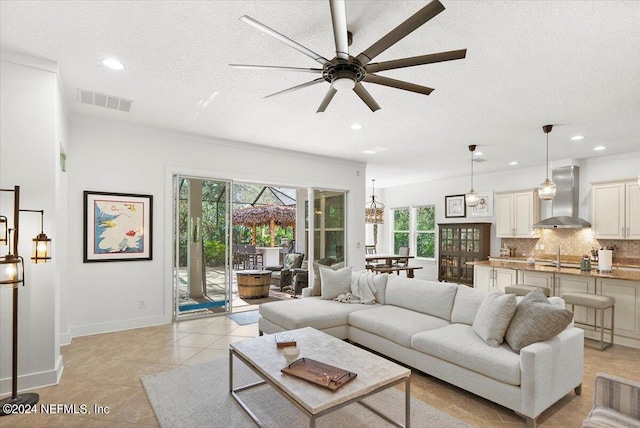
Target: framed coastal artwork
(117,227)
(454,206)
(484,207)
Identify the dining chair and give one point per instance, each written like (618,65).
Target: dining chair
(402,251)
(254,258)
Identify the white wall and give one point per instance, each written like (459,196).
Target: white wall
(113,157)
(433,192)
(30,121)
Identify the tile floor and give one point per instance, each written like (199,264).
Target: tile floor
(105,370)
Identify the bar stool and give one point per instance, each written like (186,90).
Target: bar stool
(597,302)
(523,290)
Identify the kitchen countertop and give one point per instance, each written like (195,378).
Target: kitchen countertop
(615,274)
(617,262)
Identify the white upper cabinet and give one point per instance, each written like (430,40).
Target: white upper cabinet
(616,210)
(516,213)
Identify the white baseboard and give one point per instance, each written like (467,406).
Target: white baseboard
(65,338)
(108,327)
(31,381)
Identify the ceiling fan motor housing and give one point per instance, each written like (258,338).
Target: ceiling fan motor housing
(343,70)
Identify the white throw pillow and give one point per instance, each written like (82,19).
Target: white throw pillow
(334,282)
(493,317)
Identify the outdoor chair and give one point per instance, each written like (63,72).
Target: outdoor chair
(282,276)
(239,254)
(301,276)
(254,258)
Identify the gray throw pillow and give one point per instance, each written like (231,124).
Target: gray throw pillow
(335,282)
(536,320)
(493,317)
(316,288)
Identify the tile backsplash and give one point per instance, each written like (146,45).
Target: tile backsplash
(573,242)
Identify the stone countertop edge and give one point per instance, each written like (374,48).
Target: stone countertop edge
(615,274)
(619,262)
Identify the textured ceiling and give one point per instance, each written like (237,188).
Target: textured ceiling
(573,64)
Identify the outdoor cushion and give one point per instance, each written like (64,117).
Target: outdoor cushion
(460,345)
(402,291)
(394,323)
(309,312)
(493,317)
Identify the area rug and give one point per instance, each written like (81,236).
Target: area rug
(202,305)
(244,318)
(198,396)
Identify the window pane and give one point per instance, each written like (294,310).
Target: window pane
(400,239)
(401,219)
(334,216)
(426,245)
(425,218)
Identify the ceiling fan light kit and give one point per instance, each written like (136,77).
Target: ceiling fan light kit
(345,72)
(471,198)
(547,189)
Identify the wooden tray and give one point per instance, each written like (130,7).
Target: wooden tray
(318,373)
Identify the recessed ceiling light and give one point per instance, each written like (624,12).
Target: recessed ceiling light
(113,63)
(369,152)
(478,153)
(513,163)
(356,126)
(598,148)
(577,138)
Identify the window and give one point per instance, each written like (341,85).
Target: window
(425,228)
(401,229)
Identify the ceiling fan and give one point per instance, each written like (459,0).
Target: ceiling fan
(345,72)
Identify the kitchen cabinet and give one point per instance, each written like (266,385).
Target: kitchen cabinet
(516,213)
(541,279)
(493,279)
(616,210)
(576,284)
(460,243)
(627,309)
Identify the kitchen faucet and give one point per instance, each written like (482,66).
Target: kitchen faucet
(558,257)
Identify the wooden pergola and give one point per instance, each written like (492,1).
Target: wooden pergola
(272,215)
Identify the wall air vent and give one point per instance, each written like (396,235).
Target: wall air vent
(104,100)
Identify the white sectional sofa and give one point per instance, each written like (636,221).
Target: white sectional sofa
(428,326)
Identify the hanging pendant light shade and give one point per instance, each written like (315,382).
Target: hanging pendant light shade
(374,212)
(471,198)
(11,268)
(547,189)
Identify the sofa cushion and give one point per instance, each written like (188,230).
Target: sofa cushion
(460,345)
(428,297)
(309,312)
(493,317)
(335,282)
(466,304)
(535,320)
(394,323)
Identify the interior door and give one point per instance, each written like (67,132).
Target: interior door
(202,219)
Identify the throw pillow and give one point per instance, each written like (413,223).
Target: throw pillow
(334,282)
(316,288)
(536,320)
(493,317)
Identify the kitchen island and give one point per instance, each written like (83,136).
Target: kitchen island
(621,284)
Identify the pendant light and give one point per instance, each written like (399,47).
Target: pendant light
(471,198)
(374,213)
(547,189)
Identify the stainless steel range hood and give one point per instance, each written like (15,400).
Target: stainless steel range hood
(564,208)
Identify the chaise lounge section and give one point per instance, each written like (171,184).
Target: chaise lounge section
(430,326)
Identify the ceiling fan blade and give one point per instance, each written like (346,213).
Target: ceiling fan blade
(284,39)
(275,67)
(413,22)
(295,88)
(398,84)
(416,60)
(366,97)
(339,20)
(327,99)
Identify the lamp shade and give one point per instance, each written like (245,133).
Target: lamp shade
(374,215)
(472,199)
(11,271)
(41,249)
(547,190)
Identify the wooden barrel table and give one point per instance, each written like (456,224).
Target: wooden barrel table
(253,284)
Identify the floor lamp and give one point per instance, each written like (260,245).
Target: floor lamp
(374,214)
(12,276)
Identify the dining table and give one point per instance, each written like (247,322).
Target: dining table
(388,259)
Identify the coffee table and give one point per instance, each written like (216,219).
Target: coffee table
(375,374)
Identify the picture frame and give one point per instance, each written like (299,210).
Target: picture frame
(118,227)
(455,206)
(484,207)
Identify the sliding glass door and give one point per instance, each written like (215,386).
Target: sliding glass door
(202,219)
(328,224)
